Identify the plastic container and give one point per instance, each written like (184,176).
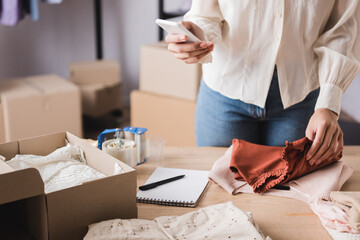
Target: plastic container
(155,150)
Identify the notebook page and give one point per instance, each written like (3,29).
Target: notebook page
(187,189)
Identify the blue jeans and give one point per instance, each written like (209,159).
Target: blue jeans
(220,119)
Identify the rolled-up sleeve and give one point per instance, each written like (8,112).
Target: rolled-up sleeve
(338,52)
(207,15)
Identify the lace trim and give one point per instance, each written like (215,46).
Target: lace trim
(259,184)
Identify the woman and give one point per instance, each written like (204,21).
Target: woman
(268,60)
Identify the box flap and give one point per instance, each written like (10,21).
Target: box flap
(16,88)
(16,185)
(20,185)
(9,149)
(42,145)
(50,84)
(95,158)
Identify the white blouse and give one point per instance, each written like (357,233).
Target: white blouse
(313,42)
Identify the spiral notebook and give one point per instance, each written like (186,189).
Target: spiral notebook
(185,192)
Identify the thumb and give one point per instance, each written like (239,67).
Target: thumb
(310,133)
(187,25)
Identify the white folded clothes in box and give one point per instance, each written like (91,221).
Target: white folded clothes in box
(64,168)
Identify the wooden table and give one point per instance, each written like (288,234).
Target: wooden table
(279,218)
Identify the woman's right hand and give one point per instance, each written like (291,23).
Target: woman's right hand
(189,52)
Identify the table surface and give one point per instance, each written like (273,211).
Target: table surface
(279,218)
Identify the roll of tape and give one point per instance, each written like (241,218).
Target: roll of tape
(129,135)
(122,149)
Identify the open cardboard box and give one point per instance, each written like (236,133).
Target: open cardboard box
(63,214)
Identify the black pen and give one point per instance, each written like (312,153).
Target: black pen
(158,183)
(281,187)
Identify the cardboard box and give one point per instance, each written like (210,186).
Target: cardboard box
(39,105)
(63,214)
(99,99)
(171,118)
(103,71)
(2,125)
(161,73)
(15,222)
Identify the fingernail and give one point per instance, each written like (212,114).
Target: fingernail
(209,44)
(203,45)
(182,38)
(308,157)
(311,162)
(317,162)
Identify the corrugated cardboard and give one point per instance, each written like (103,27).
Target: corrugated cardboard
(99,99)
(68,212)
(39,105)
(161,73)
(171,118)
(22,200)
(15,222)
(102,71)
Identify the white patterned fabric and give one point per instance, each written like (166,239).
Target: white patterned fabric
(220,221)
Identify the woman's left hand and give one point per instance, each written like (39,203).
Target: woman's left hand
(324,130)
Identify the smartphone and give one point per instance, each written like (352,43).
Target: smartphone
(176,29)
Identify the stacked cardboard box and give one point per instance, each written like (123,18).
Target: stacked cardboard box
(166,101)
(2,125)
(100,86)
(27,212)
(38,105)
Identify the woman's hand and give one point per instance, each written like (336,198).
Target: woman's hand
(323,128)
(189,52)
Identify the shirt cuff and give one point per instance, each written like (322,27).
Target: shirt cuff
(212,30)
(329,97)
(205,28)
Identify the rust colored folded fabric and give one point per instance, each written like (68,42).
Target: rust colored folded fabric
(263,167)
